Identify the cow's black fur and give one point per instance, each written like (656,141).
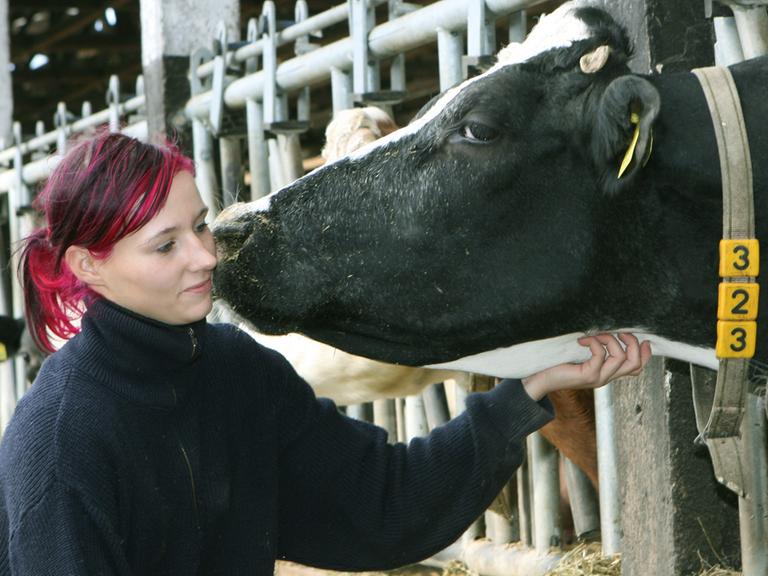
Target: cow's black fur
(435,247)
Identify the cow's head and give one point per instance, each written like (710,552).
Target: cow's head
(424,246)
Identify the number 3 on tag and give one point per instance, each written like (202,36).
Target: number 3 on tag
(739,258)
(736,339)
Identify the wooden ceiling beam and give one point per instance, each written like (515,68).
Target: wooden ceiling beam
(68,29)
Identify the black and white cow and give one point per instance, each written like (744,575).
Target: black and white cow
(492,231)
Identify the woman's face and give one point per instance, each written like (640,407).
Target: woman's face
(163,270)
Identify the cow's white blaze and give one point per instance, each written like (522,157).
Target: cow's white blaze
(559,29)
(530,357)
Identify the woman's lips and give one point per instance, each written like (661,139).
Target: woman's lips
(200,288)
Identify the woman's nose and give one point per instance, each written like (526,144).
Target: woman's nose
(204,253)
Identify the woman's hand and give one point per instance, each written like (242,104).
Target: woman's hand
(609,360)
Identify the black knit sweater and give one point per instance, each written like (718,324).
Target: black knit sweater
(150,449)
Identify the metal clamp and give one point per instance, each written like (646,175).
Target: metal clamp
(275,100)
(481,39)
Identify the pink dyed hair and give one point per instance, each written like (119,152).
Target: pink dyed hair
(106,187)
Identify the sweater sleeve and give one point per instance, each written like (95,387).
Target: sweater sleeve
(64,534)
(351,501)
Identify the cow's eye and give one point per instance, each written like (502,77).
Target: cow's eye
(477,132)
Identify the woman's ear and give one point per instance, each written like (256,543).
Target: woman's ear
(83,265)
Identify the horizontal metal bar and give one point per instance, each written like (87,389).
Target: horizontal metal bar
(314,23)
(385,40)
(43,141)
(39,170)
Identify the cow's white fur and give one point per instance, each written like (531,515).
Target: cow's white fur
(525,359)
(350,379)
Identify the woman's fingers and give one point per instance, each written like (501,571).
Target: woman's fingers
(614,356)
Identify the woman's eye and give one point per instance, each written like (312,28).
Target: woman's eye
(202,226)
(477,132)
(166,248)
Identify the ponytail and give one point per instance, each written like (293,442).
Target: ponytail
(52,293)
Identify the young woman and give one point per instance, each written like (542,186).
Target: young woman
(155,443)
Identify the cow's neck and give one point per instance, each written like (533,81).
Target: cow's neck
(675,271)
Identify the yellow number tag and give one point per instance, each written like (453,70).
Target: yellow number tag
(737,301)
(736,339)
(739,258)
(3,352)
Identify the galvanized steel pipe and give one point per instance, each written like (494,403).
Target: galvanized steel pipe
(385,40)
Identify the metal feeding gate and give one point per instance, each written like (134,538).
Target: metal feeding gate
(242,94)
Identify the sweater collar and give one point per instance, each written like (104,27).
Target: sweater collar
(140,358)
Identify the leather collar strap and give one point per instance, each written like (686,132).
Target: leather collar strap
(721,430)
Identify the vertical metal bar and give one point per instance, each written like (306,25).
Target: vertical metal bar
(20,226)
(269,28)
(435,405)
(302,46)
(584,504)
(752,23)
(230,156)
(546,494)
(524,502)
(341,89)
(753,510)
(727,45)
(518,26)
(291,160)
(400,417)
(384,415)
(610,508)
(415,418)
(60,121)
(258,161)
(450,47)
(113,101)
(202,144)
(358,20)
(356,411)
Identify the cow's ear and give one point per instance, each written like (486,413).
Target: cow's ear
(622,133)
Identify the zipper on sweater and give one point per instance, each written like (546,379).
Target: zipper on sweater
(191,479)
(193,338)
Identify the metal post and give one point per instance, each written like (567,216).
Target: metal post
(727,46)
(752,23)
(524,502)
(415,418)
(20,226)
(230,157)
(753,509)
(584,504)
(610,506)
(450,48)
(202,145)
(113,103)
(546,493)
(258,160)
(60,121)
(435,405)
(518,26)
(384,415)
(341,90)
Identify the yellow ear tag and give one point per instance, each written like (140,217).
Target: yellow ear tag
(634,119)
